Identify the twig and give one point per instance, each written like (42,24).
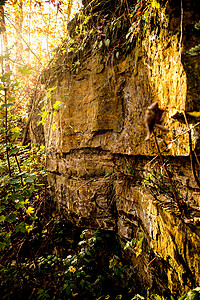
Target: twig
(192,160)
(19,168)
(192,155)
(23,40)
(168,175)
(31,113)
(6,131)
(18,101)
(167,147)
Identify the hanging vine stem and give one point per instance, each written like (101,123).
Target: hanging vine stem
(172,141)
(192,152)
(35,103)
(6,131)
(7,139)
(169,178)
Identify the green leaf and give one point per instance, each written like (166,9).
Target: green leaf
(145,16)
(20,204)
(183,297)
(13,151)
(21,227)
(100,44)
(30,178)
(7,105)
(194,294)
(11,217)
(2,218)
(119,24)
(6,74)
(2,147)
(16,135)
(71,50)
(2,207)
(155,4)
(107,42)
(57,104)
(66,284)
(25,70)
(2,246)
(82,283)
(14,180)
(68,291)
(195,114)
(16,196)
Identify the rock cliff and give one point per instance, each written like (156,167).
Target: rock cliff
(104,173)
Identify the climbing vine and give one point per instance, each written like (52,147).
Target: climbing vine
(109,27)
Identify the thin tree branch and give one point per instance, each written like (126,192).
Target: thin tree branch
(24,40)
(169,178)
(31,113)
(6,131)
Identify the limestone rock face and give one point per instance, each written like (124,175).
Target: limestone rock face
(104,173)
(105,106)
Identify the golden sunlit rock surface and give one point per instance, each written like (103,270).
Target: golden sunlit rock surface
(100,165)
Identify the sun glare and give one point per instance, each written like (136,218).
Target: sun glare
(35,29)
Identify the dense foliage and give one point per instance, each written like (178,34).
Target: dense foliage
(113,28)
